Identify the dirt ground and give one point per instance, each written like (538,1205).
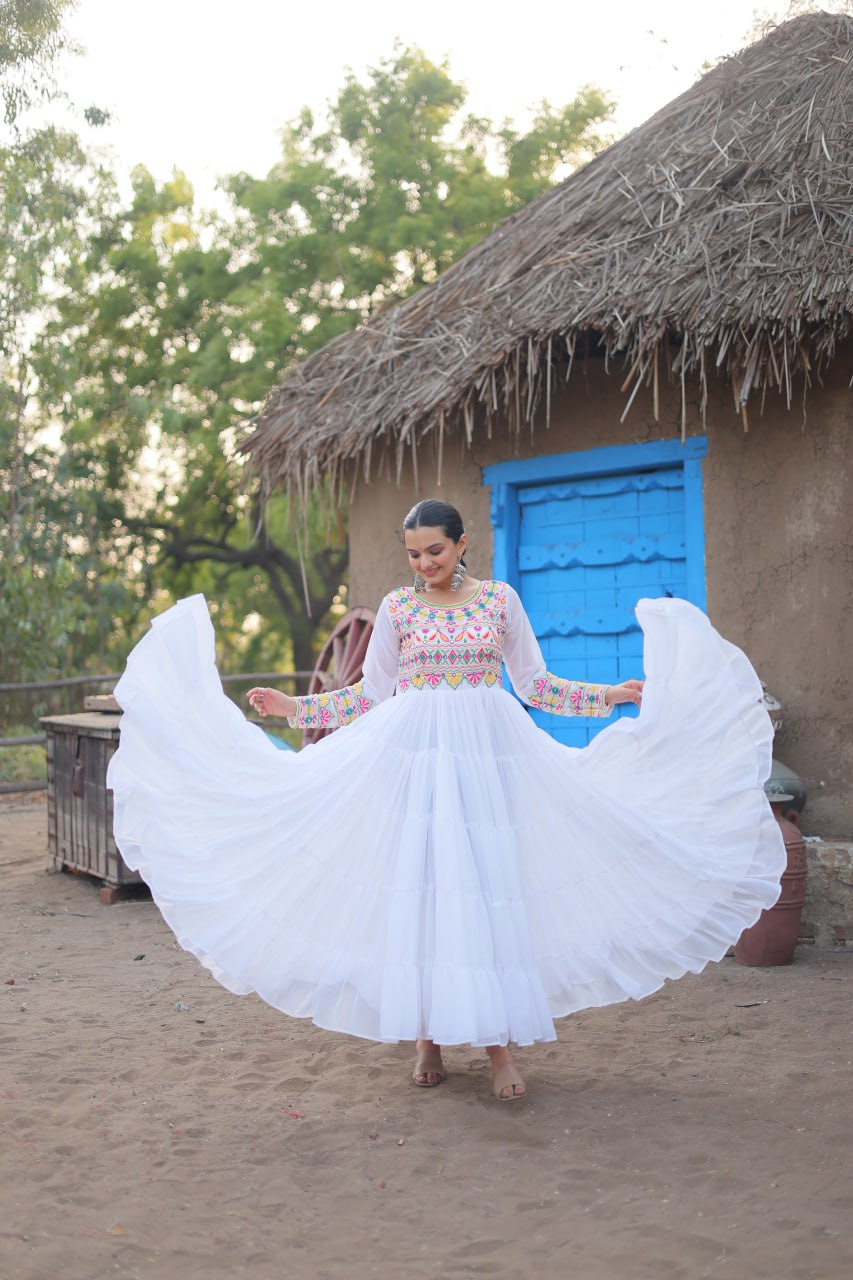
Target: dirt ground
(153,1125)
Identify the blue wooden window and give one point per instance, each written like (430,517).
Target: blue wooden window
(582,537)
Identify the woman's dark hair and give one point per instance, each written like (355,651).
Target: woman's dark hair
(432,513)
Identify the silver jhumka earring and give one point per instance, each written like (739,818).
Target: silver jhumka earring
(419,583)
(458,576)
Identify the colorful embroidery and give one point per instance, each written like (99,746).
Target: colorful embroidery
(569,697)
(325,710)
(451,645)
(408,610)
(432,679)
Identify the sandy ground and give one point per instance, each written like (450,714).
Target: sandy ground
(155,1126)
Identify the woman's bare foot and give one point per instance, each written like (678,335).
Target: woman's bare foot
(507,1083)
(429,1068)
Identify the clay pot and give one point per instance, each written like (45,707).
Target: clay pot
(784,779)
(773,937)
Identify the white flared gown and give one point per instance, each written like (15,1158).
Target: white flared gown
(440,867)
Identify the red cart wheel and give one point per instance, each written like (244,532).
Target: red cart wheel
(341,659)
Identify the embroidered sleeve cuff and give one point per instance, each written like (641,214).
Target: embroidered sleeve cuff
(569,697)
(331,710)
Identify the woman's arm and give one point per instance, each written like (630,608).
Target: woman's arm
(540,688)
(340,706)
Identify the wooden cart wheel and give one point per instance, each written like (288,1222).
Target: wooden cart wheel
(341,660)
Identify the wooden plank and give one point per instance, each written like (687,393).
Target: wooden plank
(63,796)
(100,834)
(695,533)
(601,551)
(601,622)
(603,486)
(118,873)
(96,724)
(603,461)
(67,682)
(101,702)
(94,840)
(51,801)
(74,812)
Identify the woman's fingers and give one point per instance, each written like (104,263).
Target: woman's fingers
(257,700)
(629,691)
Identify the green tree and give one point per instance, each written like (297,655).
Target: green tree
(55,600)
(174,326)
(49,560)
(32,36)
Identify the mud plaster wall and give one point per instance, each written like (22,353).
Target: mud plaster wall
(778,542)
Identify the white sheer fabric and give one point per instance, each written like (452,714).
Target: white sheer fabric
(440,867)
(522,652)
(382,657)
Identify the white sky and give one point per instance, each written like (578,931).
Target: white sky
(206,85)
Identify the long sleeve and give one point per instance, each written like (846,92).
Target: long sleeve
(533,683)
(340,706)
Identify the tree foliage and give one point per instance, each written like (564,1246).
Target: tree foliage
(169,326)
(32,36)
(48,191)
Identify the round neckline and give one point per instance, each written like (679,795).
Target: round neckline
(445,608)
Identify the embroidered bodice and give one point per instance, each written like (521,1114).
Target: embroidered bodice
(419,647)
(452,645)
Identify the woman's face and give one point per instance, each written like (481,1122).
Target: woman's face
(433,555)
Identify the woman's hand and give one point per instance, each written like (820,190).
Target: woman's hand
(269,702)
(628,691)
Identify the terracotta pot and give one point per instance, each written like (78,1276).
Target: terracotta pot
(773,937)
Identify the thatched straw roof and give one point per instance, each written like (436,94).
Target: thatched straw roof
(718,234)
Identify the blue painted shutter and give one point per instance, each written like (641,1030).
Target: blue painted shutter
(588,549)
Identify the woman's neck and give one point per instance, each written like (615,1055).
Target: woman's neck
(443,595)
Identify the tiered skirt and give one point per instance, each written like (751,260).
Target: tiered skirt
(441,867)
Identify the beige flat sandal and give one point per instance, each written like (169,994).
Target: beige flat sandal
(429,1064)
(507,1076)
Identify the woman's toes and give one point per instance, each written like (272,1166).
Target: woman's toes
(507,1082)
(429,1068)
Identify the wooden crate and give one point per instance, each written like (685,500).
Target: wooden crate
(79,806)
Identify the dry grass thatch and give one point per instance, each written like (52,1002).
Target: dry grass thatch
(718,234)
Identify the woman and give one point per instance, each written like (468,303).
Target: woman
(441,870)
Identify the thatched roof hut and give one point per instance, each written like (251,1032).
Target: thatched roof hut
(714,240)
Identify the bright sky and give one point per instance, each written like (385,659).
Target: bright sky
(206,85)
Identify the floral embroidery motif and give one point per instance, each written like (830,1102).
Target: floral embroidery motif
(407,609)
(339,706)
(454,645)
(553,694)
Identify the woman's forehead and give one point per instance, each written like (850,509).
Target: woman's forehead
(425,536)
